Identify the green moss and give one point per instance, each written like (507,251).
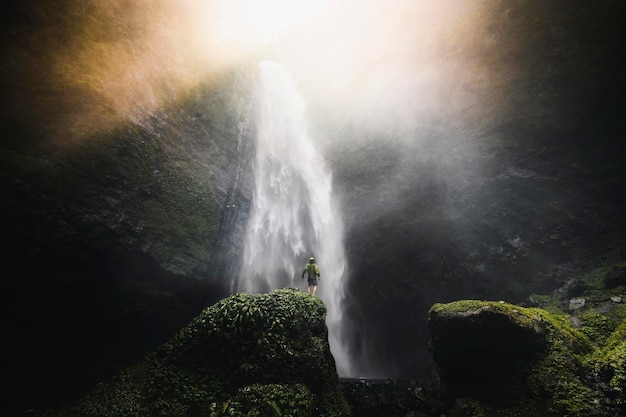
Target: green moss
(548,303)
(615,275)
(597,327)
(270,400)
(594,280)
(615,364)
(247,355)
(609,364)
(132,189)
(557,327)
(552,381)
(618,335)
(556,380)
(605,282)
(578,382)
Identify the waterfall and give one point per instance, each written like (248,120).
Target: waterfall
(293,215)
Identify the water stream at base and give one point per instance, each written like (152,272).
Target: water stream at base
(293,214)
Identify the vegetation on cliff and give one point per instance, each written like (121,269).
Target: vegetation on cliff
(500,359)
(268,355)
(247,355)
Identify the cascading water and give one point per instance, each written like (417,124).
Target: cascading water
(293,214)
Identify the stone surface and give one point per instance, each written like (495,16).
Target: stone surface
(265,354)
(474,339)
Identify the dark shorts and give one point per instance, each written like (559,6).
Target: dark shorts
(312,281)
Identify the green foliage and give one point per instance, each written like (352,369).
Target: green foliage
(467,407)
(582,383)
(548,303)
(120,397)
(598,327)
(247,355)
(618,335)
(615,363)
(256,330)
(605,282)
(610,364)
(594,280)
(554,327)
(556,378)
(271,400)
(583,370)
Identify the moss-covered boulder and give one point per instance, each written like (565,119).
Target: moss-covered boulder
(247,355)
(599,312)
(610,367)
(513,359)
(492,337)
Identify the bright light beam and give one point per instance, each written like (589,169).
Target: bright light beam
(261,22)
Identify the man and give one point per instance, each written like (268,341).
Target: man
(313,272)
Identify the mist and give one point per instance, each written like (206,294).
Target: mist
(387,68)
(454,131)
(451,130)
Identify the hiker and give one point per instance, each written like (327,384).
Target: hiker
(313,272)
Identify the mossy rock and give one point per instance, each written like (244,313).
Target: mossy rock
(490,337)
(610,366)
(513,359)
(247,355)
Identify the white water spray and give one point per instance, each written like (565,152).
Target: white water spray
(293,215)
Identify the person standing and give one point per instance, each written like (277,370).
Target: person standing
(313,271)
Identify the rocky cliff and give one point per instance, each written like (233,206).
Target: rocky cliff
(499,171)
(498,359)
(495,170)
(120,226)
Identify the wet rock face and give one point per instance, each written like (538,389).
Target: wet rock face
(483,339)
(616,276)
(515,203)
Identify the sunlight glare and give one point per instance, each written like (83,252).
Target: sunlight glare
(251,22)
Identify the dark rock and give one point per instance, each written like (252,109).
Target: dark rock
(480,339)
(470,338)
(256,354)
(574,288)
(520,361)
(615,276)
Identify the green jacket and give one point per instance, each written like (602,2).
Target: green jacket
(312,269)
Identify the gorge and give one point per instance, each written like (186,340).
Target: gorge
(470,152)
